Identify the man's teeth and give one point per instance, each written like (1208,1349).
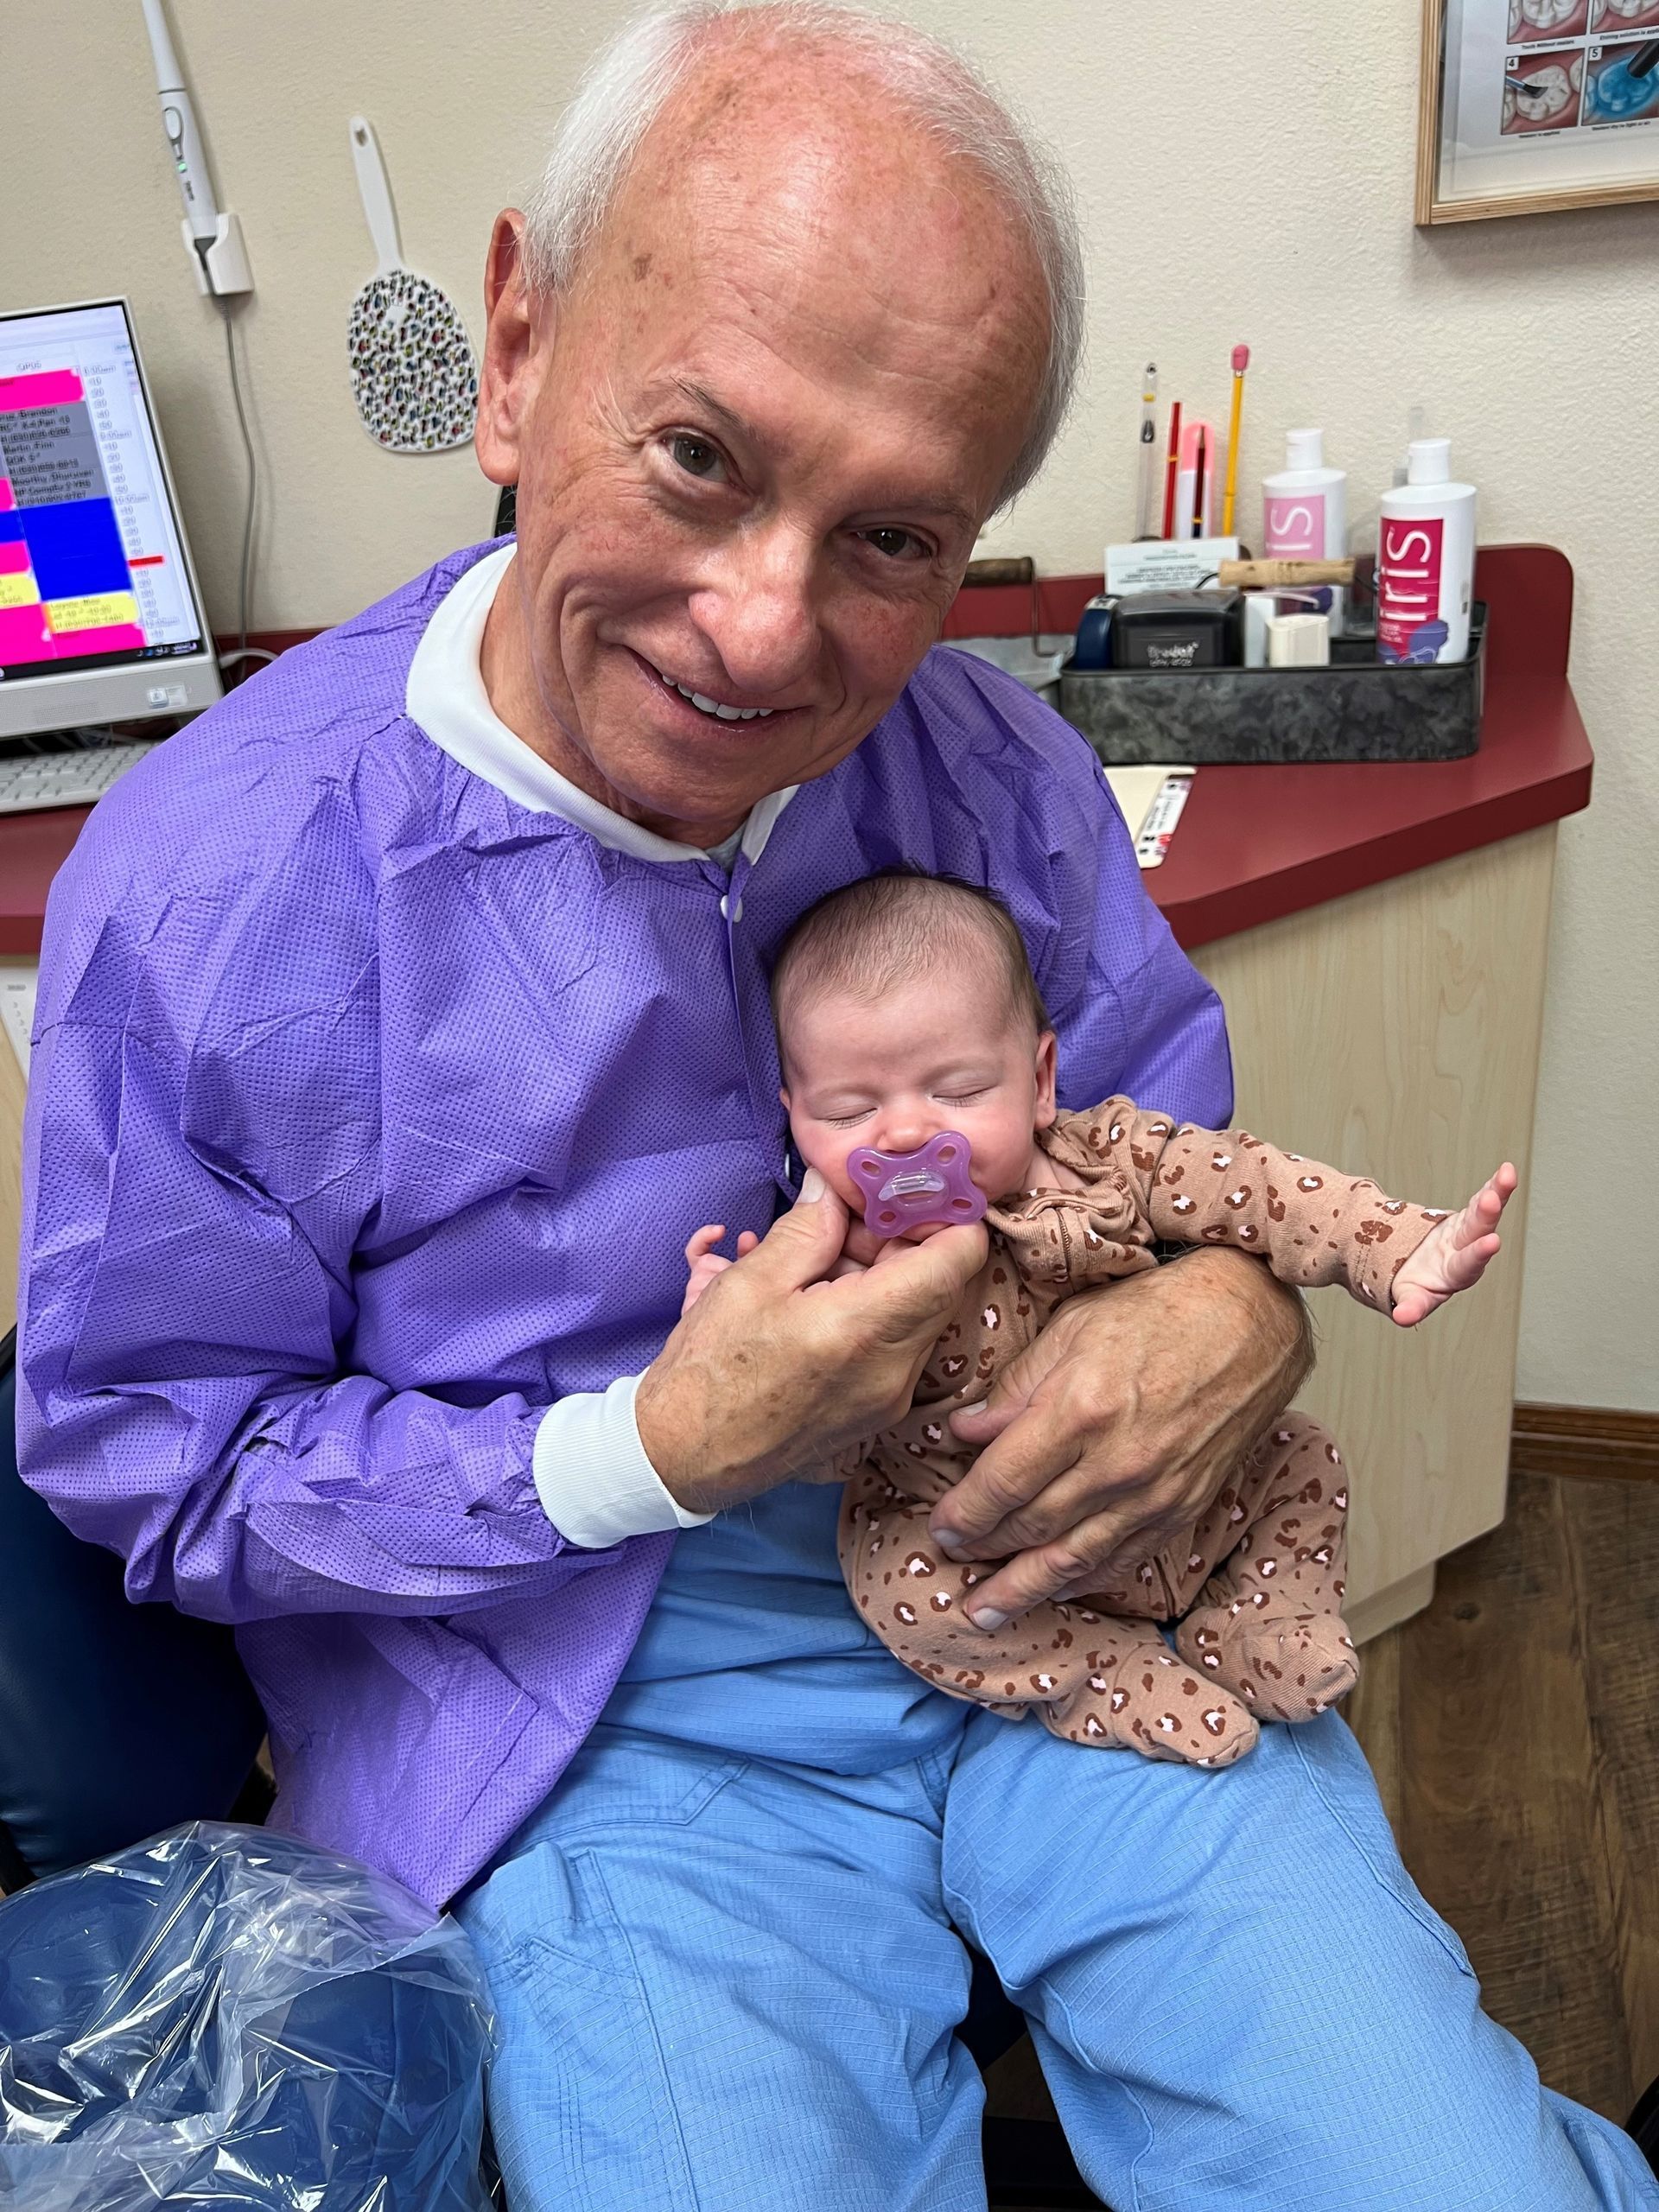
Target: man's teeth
(713,706)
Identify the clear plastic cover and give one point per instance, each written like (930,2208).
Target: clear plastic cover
(225,2016)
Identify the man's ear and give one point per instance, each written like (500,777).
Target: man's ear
(515,335)
(1047,1055)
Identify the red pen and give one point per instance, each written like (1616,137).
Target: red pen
(1169,484)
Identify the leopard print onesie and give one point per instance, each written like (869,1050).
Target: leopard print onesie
(1255,1588)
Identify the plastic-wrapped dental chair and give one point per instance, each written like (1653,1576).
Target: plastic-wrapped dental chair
(226,2017)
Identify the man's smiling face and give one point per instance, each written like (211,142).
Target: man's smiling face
(754,442)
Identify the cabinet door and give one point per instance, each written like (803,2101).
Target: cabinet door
(1396,1032)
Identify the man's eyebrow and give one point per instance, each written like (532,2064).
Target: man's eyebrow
(701,397)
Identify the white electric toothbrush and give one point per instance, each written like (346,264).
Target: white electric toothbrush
(214,239)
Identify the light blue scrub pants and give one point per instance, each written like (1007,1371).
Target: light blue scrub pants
(727,1967)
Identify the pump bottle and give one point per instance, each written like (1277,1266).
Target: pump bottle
(1304,509)
(1426,560)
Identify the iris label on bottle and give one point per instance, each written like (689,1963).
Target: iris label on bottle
(1295,526)
(1409,625)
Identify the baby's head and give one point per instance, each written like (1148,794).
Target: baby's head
(905,1005)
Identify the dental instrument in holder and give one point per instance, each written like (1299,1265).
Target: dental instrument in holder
(1146,512)
(1195,479)
(911,1190)
(1241,362)
(1201,462)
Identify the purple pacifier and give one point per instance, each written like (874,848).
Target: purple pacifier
(904,1190)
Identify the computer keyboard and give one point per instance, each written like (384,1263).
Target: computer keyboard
(66,778)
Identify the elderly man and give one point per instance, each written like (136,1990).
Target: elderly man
(401,1020)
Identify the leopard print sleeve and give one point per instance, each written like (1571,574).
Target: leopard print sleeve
(1312,1223)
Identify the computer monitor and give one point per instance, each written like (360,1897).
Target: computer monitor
(100,616)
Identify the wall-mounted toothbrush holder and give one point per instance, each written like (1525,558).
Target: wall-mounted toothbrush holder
(1356,708)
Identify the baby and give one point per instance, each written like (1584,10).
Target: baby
(905,1006)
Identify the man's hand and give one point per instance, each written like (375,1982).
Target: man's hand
(1118,1427)
(774,1367)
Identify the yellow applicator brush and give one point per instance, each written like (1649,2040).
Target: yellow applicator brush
(1241,362)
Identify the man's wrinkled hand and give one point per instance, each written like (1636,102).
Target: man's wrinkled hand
(776,1367)
(1115,1431)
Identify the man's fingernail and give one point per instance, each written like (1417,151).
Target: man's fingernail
(952,1546)
(988,1618)
(811,1186)
(978,1407)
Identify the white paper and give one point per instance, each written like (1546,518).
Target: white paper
(1167,564)
(1150,800)
(17,1008)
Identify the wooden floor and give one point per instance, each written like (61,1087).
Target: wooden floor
(1514,1729)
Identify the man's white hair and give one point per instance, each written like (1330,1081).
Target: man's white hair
(632,80)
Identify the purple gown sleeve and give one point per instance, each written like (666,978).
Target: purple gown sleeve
(1132,1012)
(200,1157)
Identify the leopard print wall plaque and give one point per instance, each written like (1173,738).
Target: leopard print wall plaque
(414,373)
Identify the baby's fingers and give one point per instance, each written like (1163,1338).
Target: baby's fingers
(1465,1263)
(699,1245)
(1485,1210)
(746,1243)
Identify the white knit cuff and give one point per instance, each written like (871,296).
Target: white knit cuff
(595,1483)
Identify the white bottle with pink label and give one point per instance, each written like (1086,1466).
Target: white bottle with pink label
(1426,560)
(1304,512)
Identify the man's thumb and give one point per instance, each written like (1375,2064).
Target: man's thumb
(978,1425)
(805,1242)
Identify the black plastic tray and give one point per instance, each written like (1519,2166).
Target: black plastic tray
(1357,709)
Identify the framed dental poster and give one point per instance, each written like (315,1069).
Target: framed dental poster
(1527,105)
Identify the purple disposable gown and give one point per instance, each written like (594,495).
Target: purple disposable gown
(369,1113)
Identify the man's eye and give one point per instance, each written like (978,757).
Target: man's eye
(695,455)
(897,544)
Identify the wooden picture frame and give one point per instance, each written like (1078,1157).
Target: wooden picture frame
(1583,155)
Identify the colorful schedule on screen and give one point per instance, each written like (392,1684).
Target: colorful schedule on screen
(91,569)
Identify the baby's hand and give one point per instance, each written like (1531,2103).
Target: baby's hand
(1455,1253)
(706,1263)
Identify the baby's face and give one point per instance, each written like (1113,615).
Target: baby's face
(934,1054)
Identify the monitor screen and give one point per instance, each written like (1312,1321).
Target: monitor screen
(92,572)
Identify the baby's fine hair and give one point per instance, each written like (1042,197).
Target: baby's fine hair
(886,929)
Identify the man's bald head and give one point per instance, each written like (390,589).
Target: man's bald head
(793,314)
(863,118)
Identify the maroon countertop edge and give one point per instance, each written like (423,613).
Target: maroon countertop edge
(1255,843)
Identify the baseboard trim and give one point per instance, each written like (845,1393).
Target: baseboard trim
(1584,1441)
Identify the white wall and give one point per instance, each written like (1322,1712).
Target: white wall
(1244,174)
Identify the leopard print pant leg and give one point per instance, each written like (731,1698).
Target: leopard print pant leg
(1137,1695)
(1098,1681)
(1269,1623)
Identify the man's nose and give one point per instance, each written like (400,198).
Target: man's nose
(755,606)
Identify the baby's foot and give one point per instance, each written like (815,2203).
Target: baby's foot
(1148,1701)
(1284,1665)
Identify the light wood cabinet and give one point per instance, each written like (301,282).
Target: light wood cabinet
(1396,1032)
